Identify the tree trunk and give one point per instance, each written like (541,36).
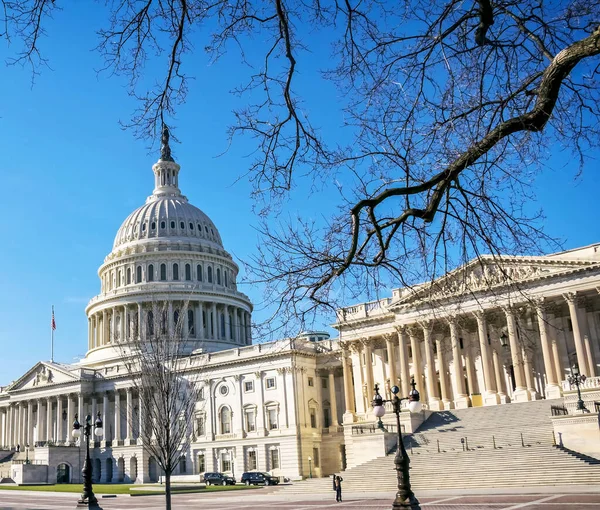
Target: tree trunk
(168,490)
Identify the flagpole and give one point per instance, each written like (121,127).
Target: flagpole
(52,337)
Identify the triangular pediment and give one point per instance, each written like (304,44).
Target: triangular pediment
(42,374)
(488,273)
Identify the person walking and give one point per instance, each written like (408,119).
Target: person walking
(337,482)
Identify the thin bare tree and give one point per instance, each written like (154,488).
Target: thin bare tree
(448,111)
(165,375)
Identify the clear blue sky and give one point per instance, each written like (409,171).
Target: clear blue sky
(70,176)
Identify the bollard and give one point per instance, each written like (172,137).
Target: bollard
(522,441)
(553,439)
(438,443)
(467,443)
(494,441)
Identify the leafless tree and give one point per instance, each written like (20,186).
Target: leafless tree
(450,109)
(164,375)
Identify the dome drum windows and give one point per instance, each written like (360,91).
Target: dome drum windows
(138,274)
(172,224)
(163,224)
(218,276)
(182,225)
(199,272)
(151,273)
(175,271)
(163,272)
(188,272)
(209,274)
(128,278)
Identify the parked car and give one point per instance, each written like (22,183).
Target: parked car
(218,479)
(258,477)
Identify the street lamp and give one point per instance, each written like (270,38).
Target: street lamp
(504,340)
(27,454)
(87,498)
(578,379)
(310,467)
(405,497)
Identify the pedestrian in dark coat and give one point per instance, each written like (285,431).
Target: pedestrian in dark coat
(338,488)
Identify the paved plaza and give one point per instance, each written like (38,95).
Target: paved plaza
(545,499)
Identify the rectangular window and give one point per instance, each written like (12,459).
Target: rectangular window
(200,430)
(313,418)
(326,418)
(272,415)
(311,381)
(460,342)
(252,462)
(225,462)
(250,420)
(270,383)
(201,463)
(323,383)
(274,453)
(201,394)
(316,457)
(248,386)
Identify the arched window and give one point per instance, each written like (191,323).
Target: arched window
(199,272)
(163,272)
(222,325)
(150,273)
(150,323)
(225,420)
(225,277)
(181,225)
(128,275)
(209,274)
(172,224)
(218,276)
(176,320)
(175,271)
(118,278)
(153,226)
(188,272)
(190,322)
(138,274)
(191,226)
(163,224)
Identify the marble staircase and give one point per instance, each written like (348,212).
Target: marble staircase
(504,446)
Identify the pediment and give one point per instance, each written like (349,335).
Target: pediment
(488,273)
(42,374)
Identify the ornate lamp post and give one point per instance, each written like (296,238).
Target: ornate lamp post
(310,467)
(88,499)
(578,379)
(405,497)
(27,454)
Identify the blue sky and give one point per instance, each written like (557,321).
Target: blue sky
(70,175)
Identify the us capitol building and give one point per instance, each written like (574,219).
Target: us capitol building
(495,331)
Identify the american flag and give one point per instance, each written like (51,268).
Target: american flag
(53,323)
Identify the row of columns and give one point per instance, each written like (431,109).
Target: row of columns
(431,382)
(122,322)
(48,419)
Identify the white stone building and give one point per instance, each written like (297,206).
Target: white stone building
(494,331)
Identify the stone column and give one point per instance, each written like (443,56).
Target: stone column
(432,387)
(49,432)
(461,399)
(582,361)
(141,327)
(30,422)
(260,411)
(236,331)
(552,389)
(520,394)
(90,343)
(198,325)
(416,362)
(470,363)
(9,437)
(170,321)
(227,322)
(122,325)
(332,399)
(556,354)
(38,425)
(248,322)
(94,408)
(215,323)
(129,437)
(391,354)
(60,439)
(105,405)
(403,355)
(104,326)
(117,416)
(141,420)
(348,386)
(18,423)
(500,381)
(491,392)
(442,372)
(80,406)
(369,369)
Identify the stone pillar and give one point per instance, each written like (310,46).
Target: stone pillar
(552,388)
(142,418)
(260,411)
(94,409)
(49,431)
(18,423)
(122,325)
(391,354)
(582,361)
(556,353)
(80,406)
(332,398)
(368,359)
(9,437)
(215,323)
(416,362)
(105,417)
(348,386)
(520,394)
(461,399)
(500,380)
(199,322)
(432,387)
(590,356)
(90,337)
(170,321)
(129,436)
(248,322)
(442,372)
(491,392)
(141,327)
(117,416)
(227,322)
(60,434)
(104,326)
(30,422)
(38,425)
(403,355)
(236,331)
(470,363)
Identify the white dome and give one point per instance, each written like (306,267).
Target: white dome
(167,217)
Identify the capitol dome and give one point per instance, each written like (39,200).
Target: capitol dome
(171,252)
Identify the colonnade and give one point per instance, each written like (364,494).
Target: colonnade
(204,321)
(491,353)
(50,419)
